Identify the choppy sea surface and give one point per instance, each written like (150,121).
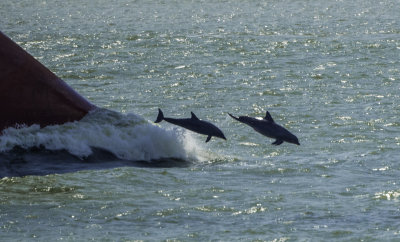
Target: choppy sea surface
(328,71)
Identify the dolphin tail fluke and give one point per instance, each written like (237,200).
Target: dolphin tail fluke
(234,117)
(160,116)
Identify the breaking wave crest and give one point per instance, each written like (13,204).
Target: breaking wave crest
(128,137)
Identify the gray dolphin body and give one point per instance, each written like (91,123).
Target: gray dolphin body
(194,124)
(269,128)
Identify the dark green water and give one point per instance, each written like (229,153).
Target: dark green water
(326,70)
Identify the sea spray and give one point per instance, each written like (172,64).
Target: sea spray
(128,137)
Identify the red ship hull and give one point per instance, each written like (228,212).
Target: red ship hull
(31,94)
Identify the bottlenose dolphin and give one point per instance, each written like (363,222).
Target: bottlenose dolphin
(194,124)
(269,128)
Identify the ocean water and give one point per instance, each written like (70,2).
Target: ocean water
(328,71)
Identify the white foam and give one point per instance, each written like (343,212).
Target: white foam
(128,137)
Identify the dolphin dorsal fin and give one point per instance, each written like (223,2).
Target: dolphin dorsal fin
(194,116)
(268,117)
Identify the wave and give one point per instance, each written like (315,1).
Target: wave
(127,136)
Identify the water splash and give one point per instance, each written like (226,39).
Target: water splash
(128,137)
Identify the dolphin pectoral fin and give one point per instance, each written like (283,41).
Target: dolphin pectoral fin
(208,138)
(278,142)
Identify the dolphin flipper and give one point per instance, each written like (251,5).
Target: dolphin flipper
(208,138)
(278,142)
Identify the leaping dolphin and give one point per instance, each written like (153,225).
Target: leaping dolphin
(194,124)
(269,128)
